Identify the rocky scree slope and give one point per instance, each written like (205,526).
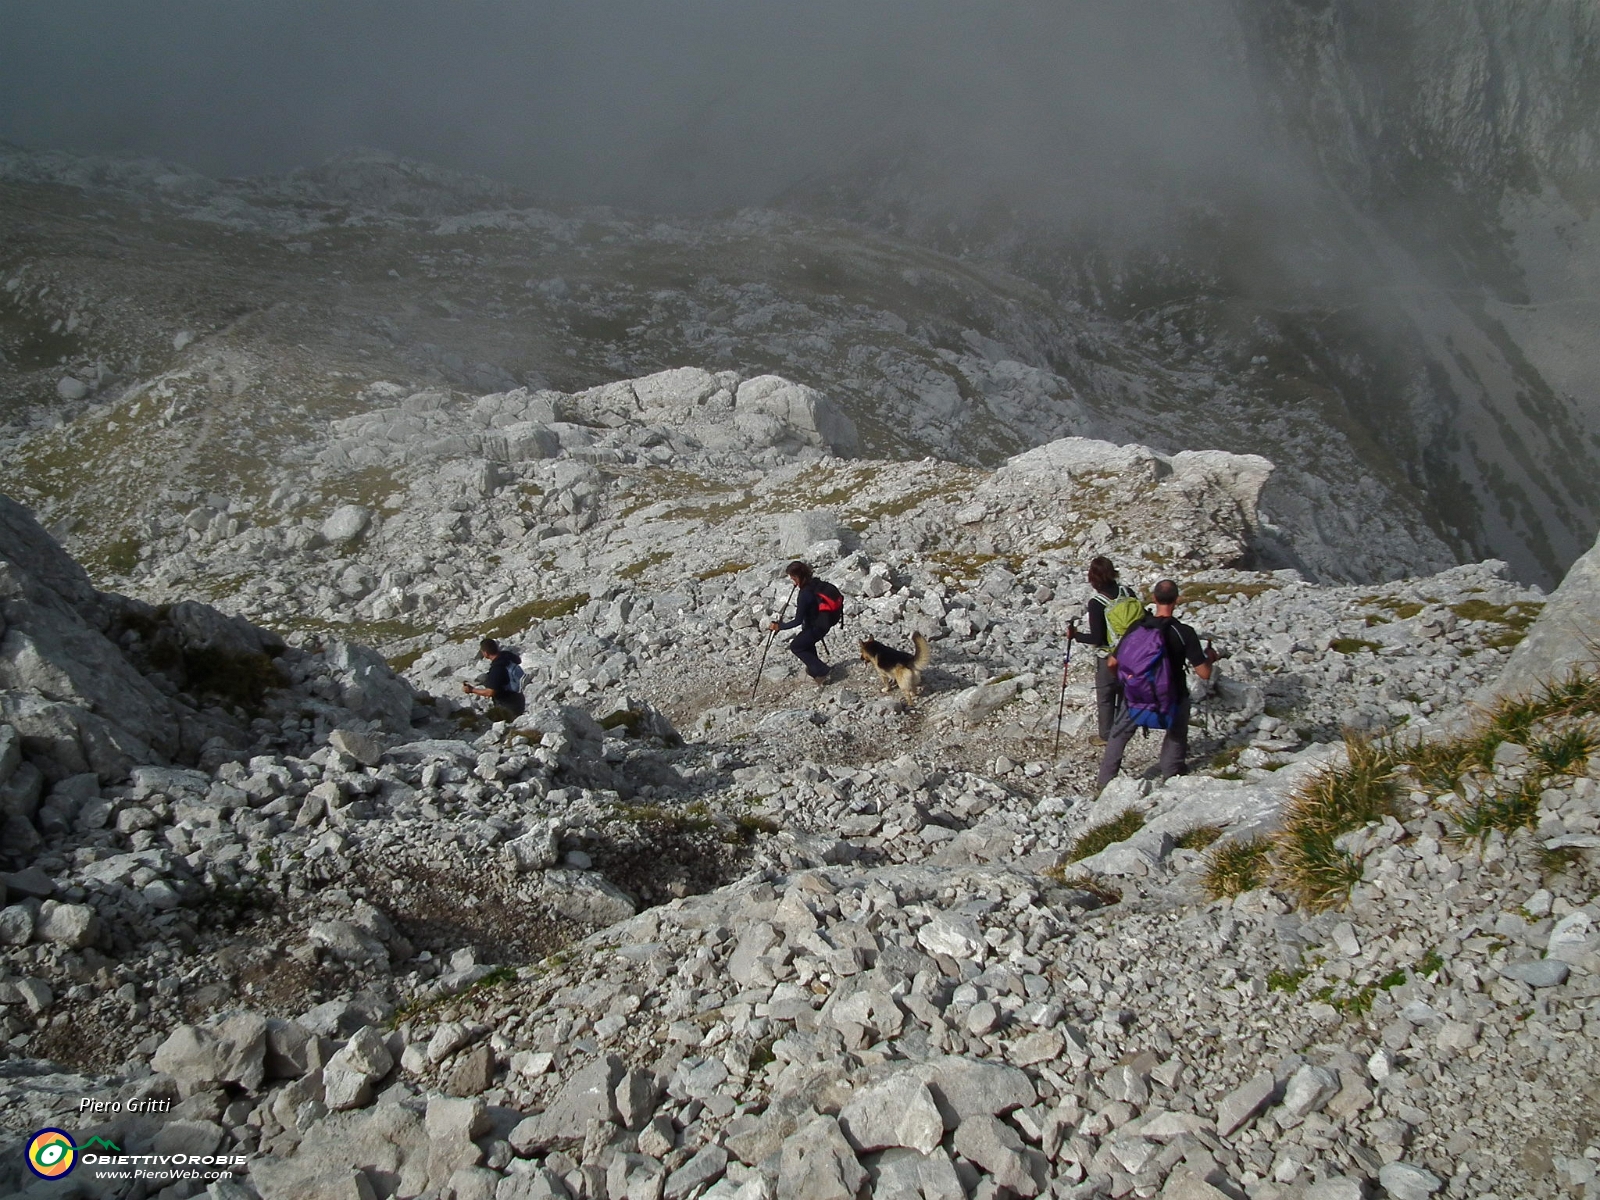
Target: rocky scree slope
(301,941)
(158,326)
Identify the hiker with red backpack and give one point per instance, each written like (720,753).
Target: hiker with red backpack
(819,606)
(1149,662)
(1113,609)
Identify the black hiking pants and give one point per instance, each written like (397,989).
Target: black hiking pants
(804,647)
(1174,746)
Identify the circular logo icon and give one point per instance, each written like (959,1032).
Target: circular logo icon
(52,1153)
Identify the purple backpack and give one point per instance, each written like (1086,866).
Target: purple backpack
(1145,670)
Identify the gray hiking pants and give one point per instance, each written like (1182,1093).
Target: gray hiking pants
(1174,746)
(1107,697)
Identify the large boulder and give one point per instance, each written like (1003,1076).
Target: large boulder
(1561,639)
(817,420)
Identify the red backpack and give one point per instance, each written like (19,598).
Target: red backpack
(830,601)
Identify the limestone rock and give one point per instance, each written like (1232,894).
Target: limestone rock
(898,1111)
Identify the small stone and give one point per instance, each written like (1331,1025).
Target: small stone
(346,523)
(1308,1090)
(1457,1035)
(72,925)
(16,926)
(957,937)
(473,1072)
(365,748)
(447,1039)
(705,1166)
(531,1064)
(982,1019)
(964,1087)
(1336,1187)
(898,1111)
(1125,1084)
(1404,1181)
(1244,1103)
(658,1137)
(1184,1184)
(636,1098)
(818,1164)
(995,1146)
(1536,973)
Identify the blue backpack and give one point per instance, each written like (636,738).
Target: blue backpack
(1144,668)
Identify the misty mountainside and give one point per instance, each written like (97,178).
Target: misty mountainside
(172,342)
(1394,236)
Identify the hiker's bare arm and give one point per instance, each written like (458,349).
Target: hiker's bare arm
(1203,670)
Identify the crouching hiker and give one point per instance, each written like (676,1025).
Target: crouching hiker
(1113,609)
(503,681)
(819,606)
(1150,662)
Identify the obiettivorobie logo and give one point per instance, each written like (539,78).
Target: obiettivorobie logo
(52,1153)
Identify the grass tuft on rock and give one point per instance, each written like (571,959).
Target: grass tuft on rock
(1233,868)
(1097,837)
(1084,881)
(1198,838)
(1566,752)
(1332,803)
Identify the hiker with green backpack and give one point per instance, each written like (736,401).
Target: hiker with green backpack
(1150,663)
(1113,609)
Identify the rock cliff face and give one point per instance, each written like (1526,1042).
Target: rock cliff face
(1411,248)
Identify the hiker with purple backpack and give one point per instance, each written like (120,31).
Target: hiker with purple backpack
(1149,662)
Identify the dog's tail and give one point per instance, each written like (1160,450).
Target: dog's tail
(921,643)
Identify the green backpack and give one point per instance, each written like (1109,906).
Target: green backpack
(1122,615)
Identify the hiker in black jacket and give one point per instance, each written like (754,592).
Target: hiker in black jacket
(1107,591)
(498,683)
(818,607)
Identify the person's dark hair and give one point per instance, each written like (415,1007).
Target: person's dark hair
(1102,575)
(489,646)
(1165,592)
(799,572)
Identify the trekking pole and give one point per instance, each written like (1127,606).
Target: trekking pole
(762,666)
(1061,706)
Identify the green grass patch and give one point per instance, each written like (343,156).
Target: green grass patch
(1097,837)
(407,660)
(1358,1003)
(1216,593)
(122,555)
(694,817)
(1559,861)
(1084,881)
(1233,868)
(727,568)
(1566,752)
(1514,619)
(634,570)
(1287,982)
(1198,838)
(1507,811)
(531,613)
(1334,802)
(1353,645)
(747,827)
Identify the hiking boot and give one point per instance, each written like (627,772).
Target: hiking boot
(820,680)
